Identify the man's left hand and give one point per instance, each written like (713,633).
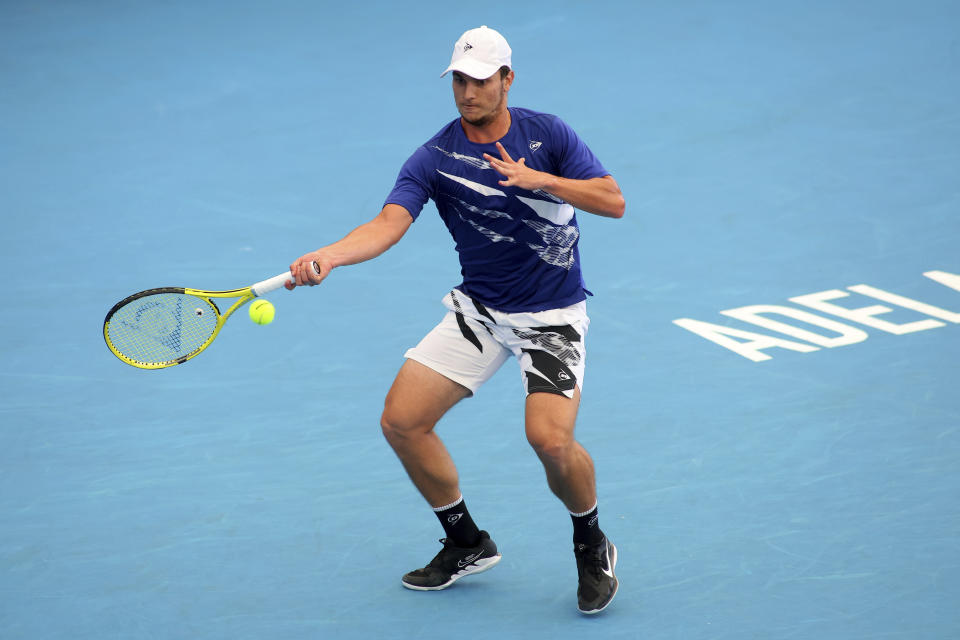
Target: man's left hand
(517,173)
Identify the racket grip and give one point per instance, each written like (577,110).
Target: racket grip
(274,283)
(271,284)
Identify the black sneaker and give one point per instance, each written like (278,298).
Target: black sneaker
(452,563)
(598,585)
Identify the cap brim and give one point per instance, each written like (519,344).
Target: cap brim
(472,68)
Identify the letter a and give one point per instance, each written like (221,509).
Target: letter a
(750,349)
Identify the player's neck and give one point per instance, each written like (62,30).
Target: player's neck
(488,132)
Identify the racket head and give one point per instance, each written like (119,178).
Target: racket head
(160,328)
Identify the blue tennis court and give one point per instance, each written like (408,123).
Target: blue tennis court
(773,392)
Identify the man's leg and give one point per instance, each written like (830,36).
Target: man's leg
(550,422)
(417,400)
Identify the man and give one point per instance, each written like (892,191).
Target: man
(522,295)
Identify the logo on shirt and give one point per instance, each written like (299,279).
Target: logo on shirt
(535,144)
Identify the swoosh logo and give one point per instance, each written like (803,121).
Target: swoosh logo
(608,571)
(468,560)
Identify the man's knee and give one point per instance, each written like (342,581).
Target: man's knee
(551,442)
(417,400)
(398,425)
(403,421)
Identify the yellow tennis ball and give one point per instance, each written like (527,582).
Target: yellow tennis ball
(261,311)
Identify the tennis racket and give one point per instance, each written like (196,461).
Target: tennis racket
(159,328)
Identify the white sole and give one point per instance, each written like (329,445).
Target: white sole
(478,567)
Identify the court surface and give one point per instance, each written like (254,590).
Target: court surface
(767,151)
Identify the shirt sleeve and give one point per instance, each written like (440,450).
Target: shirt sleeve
(413,188)
(576,160)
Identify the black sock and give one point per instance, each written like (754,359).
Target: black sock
(457,524)
(586,527)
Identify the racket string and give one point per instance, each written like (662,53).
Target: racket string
(162,327)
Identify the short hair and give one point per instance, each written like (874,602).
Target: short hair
(504,71)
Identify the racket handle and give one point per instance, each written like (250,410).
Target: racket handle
(274,283)
(271,284)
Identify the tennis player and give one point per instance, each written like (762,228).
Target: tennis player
(505,181)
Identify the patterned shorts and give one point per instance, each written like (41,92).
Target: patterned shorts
(472,342)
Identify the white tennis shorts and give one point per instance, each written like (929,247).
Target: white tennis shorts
(472,342)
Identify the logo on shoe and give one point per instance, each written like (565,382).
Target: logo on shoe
(469,559)
(453,518)
(607,570)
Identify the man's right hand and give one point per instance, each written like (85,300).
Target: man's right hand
(309,270)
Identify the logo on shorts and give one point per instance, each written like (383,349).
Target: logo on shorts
(562,376)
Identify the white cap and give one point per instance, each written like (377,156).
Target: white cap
(479,53)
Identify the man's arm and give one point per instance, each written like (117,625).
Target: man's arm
(600,196)
(366,242)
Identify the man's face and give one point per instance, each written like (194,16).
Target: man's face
(479,101)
